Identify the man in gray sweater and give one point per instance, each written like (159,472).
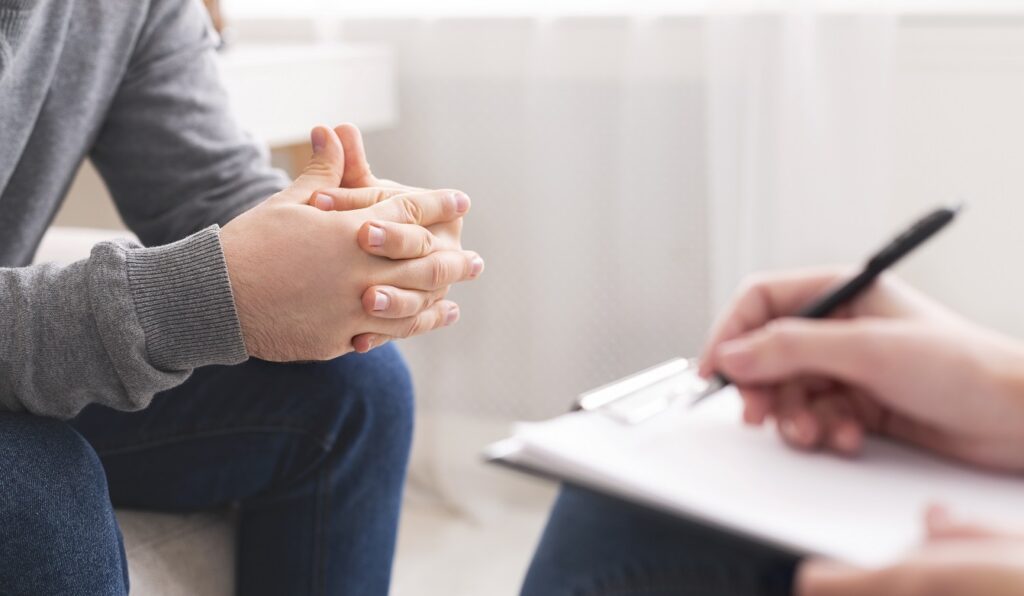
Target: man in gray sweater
(313,455)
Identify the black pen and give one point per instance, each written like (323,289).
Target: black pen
(924,229)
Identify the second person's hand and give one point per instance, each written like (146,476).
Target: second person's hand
(893,363)
(957,559)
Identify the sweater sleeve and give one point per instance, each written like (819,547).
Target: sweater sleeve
(170,151)
(115,328)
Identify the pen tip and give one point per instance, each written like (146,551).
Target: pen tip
(704,394)
(713,386)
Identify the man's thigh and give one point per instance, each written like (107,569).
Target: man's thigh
(230,433)
(58,534)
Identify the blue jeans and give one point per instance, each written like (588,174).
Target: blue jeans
(596,545)
(313,456)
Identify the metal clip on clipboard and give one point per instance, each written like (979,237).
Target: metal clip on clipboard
(645,394)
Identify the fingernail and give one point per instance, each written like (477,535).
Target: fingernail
(318,138)
(461,202)
(452,316)
(376,236)
(476,266)
(324,202)
(381,301)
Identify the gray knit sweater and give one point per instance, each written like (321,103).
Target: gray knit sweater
(131,84)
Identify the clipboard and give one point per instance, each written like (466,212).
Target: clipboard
(630,400)
(636,439)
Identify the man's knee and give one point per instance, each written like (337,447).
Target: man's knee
(378,387)
(359,400)
(55,511)
(45,460)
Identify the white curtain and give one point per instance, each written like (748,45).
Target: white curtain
(799,142)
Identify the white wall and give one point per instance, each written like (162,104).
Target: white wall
(960,133)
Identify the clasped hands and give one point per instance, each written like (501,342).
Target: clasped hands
(341,261)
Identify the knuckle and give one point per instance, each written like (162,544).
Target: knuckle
(440,273)
(412,305)
(318,169)
(415,327)
(426,243)
(448,233)
(412,212)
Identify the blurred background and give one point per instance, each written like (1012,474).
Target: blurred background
(629,163)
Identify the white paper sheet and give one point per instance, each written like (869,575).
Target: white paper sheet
(704,463)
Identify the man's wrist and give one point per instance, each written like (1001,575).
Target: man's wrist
(184,303)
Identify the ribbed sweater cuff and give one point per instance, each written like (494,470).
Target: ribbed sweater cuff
(5,56)
(13,15)
(184,302)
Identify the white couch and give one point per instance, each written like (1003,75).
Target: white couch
(168,555)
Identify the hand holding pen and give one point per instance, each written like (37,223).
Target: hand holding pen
(841,293)
(895,364)
(891,362)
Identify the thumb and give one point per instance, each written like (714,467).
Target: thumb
(847,350)
(357,168)
(325,167)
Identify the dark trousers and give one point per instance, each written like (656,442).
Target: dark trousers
(312,455)
(595,545)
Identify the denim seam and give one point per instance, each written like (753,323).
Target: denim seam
(320,556)
(321,442)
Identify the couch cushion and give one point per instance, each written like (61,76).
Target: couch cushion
(186,555)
